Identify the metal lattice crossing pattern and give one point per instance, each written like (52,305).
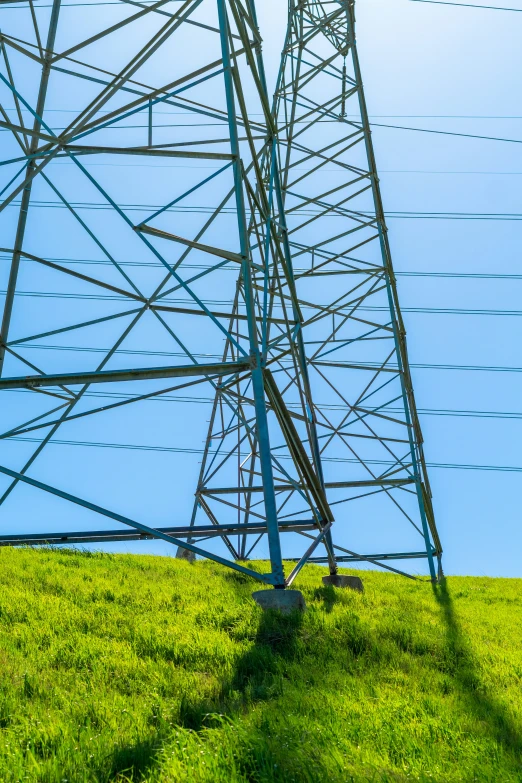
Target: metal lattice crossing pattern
(354,334)
(302,428)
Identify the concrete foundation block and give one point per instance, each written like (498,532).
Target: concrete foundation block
(341,580)
(285,601)
(185,554)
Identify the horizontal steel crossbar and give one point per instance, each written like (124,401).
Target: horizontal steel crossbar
(198,531)
(370,558)
(378,482)
(114,376)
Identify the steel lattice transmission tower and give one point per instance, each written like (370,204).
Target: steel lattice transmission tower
(207,252)
(368,429)
(160,261)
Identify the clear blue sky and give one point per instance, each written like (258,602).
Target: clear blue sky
(424,66)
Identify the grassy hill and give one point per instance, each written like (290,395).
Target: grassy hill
(127,668)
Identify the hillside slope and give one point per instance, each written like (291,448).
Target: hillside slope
(152,669)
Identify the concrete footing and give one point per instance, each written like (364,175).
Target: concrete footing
(185,554)
(341,580)
(285,601)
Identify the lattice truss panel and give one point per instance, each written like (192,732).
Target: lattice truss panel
(368,429)
(144,273)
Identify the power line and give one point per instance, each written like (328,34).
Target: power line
(15,5)
(400,214)
(466,414)
(297,270)
(465,275)
(190,399)
(445,133)
(420,171)
(180,450)
(468,5)
(225,302)
(451,215)
(11,4)
(337,170)
(465,367)
(260,114)
(114,126)
(423,366)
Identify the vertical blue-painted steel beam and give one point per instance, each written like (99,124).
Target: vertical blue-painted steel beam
(265,458)
(275,184)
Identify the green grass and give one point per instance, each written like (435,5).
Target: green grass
(139,668)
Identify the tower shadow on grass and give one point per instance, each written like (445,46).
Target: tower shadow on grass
(328,595)
(257,679)
(131,763)
(269,752)
(492,714)
(257,673)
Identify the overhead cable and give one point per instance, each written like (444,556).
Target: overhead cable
(468,5)
(224,302)
(193,400)
(297,270)
(180,450)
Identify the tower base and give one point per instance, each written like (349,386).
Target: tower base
(185,554)
(284,601)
